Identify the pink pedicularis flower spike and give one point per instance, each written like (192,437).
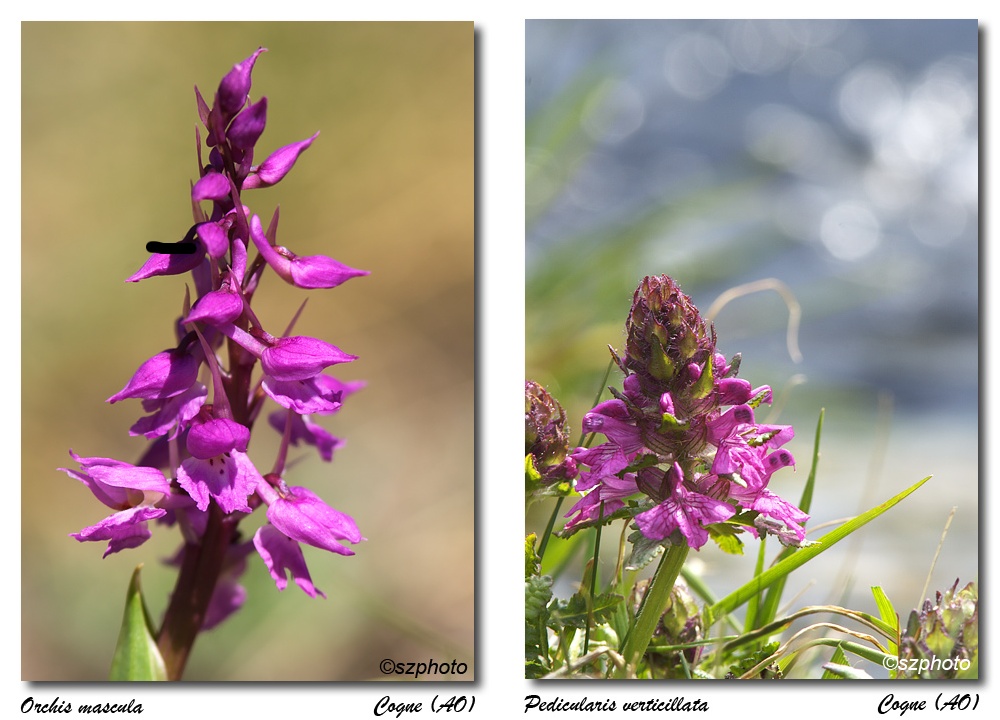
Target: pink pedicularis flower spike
(682,436)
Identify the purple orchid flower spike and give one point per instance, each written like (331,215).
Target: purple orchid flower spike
(202,398)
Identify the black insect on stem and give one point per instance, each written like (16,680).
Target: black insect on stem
(186,246)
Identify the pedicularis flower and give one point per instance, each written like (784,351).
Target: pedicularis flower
(546,436)
(202,474)
(682,437)
(941,639)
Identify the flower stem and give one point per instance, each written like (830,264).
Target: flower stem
(195,583)
(654,603)
(593,581)
(548,529)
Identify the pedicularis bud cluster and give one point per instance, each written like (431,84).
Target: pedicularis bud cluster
(201,398)
(682,436)
(941,639)
(546,440)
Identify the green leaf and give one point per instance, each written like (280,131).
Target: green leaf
(621,619)
(753,605)
(745,664)
(532,562)
(872,655)
(136,656)
(726,536)
(644,550)
(573,613)
(705,383)
(531,475)
(805,502)
(888,614)
(769,608)
(537,593)
(801,557)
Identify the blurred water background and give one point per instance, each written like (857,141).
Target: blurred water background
(838,157)
(108,118)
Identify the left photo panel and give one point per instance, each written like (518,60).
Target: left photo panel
(248,436)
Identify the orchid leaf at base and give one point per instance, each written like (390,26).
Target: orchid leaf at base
(136,655)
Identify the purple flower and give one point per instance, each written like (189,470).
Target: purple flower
(672,438)
(281,553)
(684,510)
(300,358)
(277,165)
(346,388)
(247,127)
(612,491)
(302,516)
(779,517)
(211,186)
(235,86)
(164,375)
(115,483)
(219,307)
(170,415)
(315,271)
(611,418)
(129,489)
(219,466)
(165,264)
(123,530)
(215,238)
(303,396)
(605,460)
(304,430)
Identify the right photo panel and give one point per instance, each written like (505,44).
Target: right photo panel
(752,381)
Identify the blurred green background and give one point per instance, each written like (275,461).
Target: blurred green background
(108,117)
(838,157)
